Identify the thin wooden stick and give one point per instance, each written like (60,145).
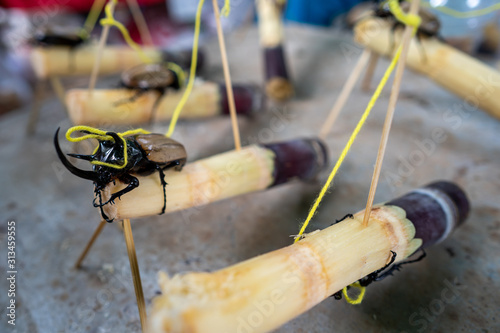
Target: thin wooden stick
(134,268)
(140,22)
(407,36)
(59,89)
(100,49)
(35,108)
(227,78)
(367,79)
(345,93)
(85,251)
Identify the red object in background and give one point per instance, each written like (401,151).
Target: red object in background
(75,5)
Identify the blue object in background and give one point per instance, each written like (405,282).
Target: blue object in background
(317,12)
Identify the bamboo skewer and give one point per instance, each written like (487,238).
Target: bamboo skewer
(35,108)
(344,94)
(475,82)
(207,99)
(227,78)
(393,99)
(278,85)
(260,294)
(372,64)
(86,250)
(140,22)
(59,89)
(134,268)
(253,168)
(100,49)
(64,61)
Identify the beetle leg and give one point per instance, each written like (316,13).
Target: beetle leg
(350,216)
(138,93)
(104,216)
(164,185)
(397,267)
(131,181)
(374,276)
(155,106)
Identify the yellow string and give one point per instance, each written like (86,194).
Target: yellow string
(360,296)
(110,20)
(91,19)
(94,133)
(410,20)
(407,19)
(354,134)
(226,9)
(461,15)
(192,72)
(181,76)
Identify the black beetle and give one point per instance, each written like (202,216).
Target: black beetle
(142,78)
(146,153)
(59,36)
(429,25)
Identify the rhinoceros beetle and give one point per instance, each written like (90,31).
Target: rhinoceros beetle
(429,26)
(158,77)
(146,153)
(55,35)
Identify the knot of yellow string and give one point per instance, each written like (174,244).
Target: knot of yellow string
(94,133)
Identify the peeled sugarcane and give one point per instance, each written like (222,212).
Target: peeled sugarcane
(253,168)
(57,61)
(260,294)
(128,107)
(475,82)
(278,85)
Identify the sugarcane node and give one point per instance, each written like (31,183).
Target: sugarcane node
(147,153)
(435,210)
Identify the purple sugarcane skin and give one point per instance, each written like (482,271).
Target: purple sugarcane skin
(300,158)
(275,64)
(247,98)
(427,214)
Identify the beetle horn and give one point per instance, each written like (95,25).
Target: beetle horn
(82,157)
(90,175)
(118,141)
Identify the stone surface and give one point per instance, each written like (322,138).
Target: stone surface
(430,140)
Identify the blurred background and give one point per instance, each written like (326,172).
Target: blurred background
(171,25)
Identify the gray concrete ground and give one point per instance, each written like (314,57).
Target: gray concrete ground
(54,215)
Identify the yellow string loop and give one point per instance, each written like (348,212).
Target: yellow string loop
(360,296)
(407,19)
(462,15)
(94,133)
(110,20)
(226,9)
(192,72)
(181,76)
(91,19)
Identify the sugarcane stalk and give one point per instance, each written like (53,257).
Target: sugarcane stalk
(222,176)
(475,82)
(115,106)
(260,294)
(278,84)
